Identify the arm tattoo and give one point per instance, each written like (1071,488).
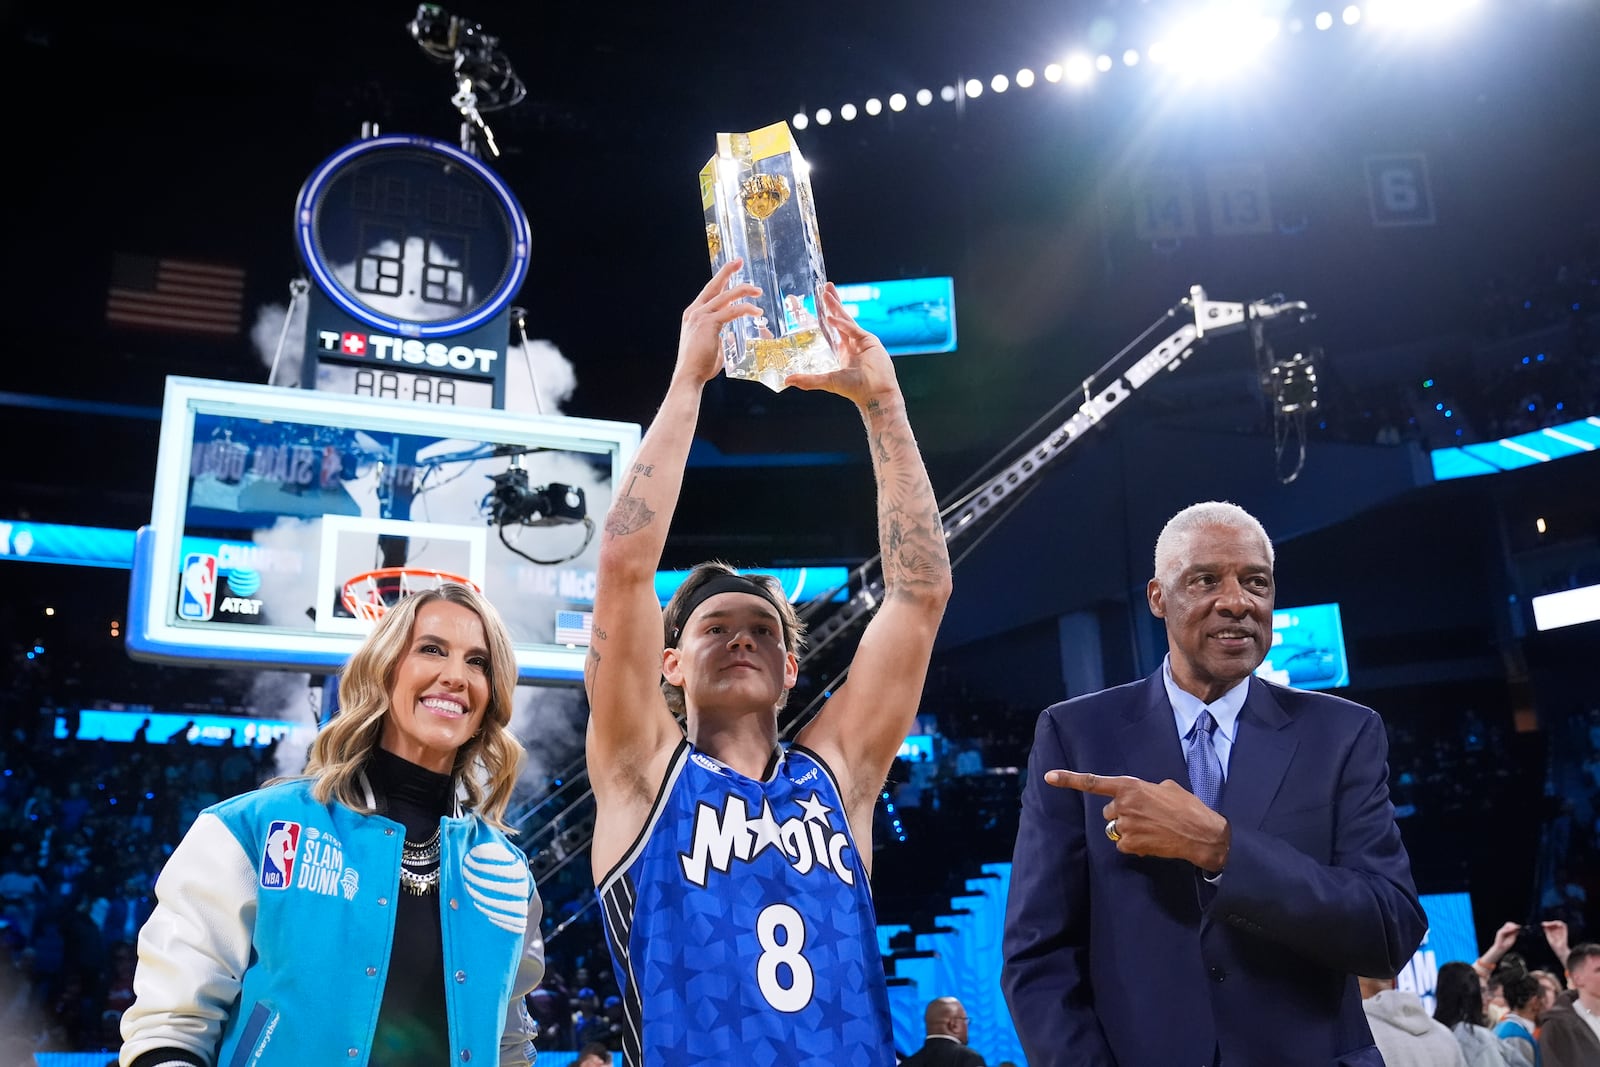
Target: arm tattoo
(630,514)
(876,442)
(911,530)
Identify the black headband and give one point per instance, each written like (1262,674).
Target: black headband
(722,583)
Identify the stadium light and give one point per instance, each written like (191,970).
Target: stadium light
(1215,44)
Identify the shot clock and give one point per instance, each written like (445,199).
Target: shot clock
(416,250)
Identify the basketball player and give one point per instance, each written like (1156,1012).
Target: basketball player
(733,870)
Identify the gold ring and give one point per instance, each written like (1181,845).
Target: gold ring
(1111,831)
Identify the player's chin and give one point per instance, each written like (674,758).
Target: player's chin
(756,685)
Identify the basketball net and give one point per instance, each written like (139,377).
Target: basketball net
(367,596)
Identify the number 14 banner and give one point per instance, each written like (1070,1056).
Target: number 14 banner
(1237,200)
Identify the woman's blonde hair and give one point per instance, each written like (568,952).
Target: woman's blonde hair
(487,764)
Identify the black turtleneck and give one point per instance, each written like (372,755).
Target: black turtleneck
(412,1028)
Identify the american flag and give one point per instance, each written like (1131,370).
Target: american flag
(175,295)
(574,627)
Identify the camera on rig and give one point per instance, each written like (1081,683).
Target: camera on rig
(1292,382)
(470,52)
(434,29)
(514,502)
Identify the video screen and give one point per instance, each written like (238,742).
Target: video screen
(1307,649)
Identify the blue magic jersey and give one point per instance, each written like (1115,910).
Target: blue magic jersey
(741,924)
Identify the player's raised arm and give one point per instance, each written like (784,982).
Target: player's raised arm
(862,725)
(630,727)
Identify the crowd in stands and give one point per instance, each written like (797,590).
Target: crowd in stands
(1533,362)
(1569,876)
(87,826)
(1545,292)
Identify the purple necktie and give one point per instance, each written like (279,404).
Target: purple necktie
(1205,769)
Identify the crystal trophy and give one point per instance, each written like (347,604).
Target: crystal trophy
(757,199)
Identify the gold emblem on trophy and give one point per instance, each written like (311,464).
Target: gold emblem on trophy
(763,194)
(714,240)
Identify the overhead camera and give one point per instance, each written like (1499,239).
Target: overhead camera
(434,29)
(472,53)
(514,502)
(1293,383)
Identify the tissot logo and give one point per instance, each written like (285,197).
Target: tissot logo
(376,346)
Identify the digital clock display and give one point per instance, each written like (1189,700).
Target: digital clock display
(412,236)
(388,383)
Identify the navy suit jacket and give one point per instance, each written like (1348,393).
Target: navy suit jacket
(1115,960)
(937,1052)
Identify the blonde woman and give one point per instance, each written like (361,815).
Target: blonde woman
(372,910)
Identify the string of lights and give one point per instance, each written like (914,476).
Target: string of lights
(1219,42)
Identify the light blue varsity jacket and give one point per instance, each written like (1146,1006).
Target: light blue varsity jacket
(271,938)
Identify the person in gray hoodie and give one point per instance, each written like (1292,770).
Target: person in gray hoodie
(1403,1030)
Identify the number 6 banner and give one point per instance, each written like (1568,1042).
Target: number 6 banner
(1398,189)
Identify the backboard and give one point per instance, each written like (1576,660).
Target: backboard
(268,500)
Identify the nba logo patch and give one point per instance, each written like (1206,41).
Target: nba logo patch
(197,591)
(277,858)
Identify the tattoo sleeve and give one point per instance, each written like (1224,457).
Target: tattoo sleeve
(910,531)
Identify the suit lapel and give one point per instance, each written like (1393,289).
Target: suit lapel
(1262,748)
(1149,736)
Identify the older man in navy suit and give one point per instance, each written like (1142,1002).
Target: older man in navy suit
(1220,924)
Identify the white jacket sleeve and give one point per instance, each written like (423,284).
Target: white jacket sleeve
(516,1041)
(194,948)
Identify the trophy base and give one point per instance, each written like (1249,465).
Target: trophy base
(769,360)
